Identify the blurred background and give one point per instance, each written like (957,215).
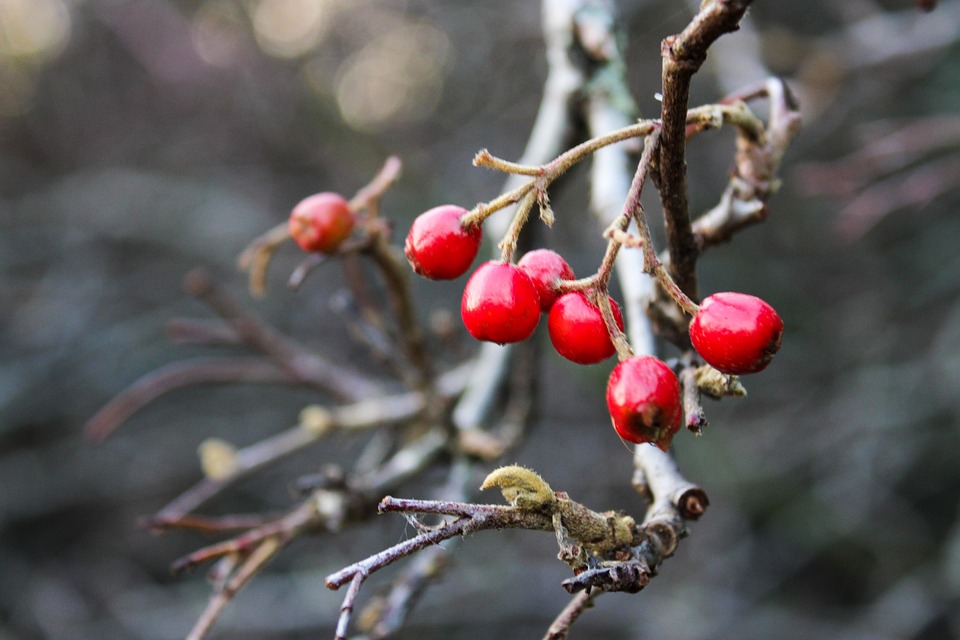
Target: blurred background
(142,138)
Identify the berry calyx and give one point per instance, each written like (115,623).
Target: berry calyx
(736,333)
(439,246)
(545,268)
(643,397)
(500,303)
(577,330)
(321,222)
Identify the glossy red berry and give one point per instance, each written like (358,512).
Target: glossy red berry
(736,333)
(577,330)
(500,303)
(439,247)
(545,268)
(321,222)
(643,397)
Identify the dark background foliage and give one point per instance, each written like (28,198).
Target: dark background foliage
(141,138)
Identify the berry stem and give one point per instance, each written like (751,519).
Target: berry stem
(484,210)
(486,159)
(546,174)
(508,245)
(562,163)
(368,198)
(256,257)
(653,266)
(618,234)
(618,337)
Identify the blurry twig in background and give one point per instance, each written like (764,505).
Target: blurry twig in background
(900,166)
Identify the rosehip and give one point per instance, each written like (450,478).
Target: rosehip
(643,397)
(736,333)
(545,268)
(439,247)
(577,330)
(321,222)
(500,303)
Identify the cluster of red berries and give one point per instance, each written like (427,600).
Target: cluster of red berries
(502,302)
(734,333)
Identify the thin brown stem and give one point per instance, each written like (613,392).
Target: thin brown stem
(349,601)
(301,364)
(207,524)
(552,170)
(200,332)
(260,556)
(463,526)
(387,176)
(373,412)
(617,336)
(396,276)
(485,159)
(508,246)
(485,209)
(560,627)
(256,257)
(178,375)
(311,262)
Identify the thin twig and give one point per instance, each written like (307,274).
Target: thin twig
(294,358)
(257,256)
(560,627)
(178,375)
(374,412)
(348,602)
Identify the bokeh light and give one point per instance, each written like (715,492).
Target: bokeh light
(32,32)
(397,78)
(216,31)
(31,28)
(290,28)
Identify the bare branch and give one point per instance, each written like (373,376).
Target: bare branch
(696,419)
(683,55)
(759,154)
(674,498)
(176,376)
(307,367)
(560,627)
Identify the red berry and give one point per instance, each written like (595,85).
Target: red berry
(736,333)
(321,222)
(439,247)
(643,397)
(545,268)
(577,330)
(500,303)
